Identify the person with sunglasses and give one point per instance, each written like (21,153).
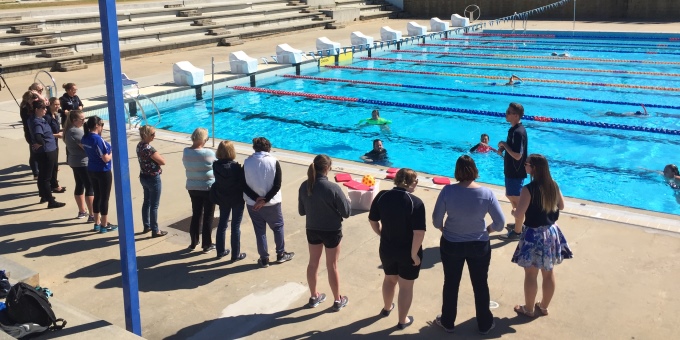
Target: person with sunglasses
(398,218)
(150,171)
(99,170)
(76,158)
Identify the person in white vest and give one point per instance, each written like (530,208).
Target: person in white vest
(263,199)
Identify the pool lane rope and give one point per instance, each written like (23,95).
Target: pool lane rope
(536,67)
(554,36)
(422,87)
(525,48)
(535,80)
(538,42)
(515,56)
(457,110)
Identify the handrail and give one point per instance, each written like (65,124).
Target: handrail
(141,108)
(51,88)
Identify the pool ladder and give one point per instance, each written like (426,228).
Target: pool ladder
(525,19)
(132,122)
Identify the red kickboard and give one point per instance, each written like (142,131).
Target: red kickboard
(354,185)
(390,175)
(392,170)
(343,177)
(441,180)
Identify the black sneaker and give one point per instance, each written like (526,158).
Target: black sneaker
(438,322)
(160,233)
(511,236)
(284,257)
(224,253)
(493,325)
(263,262)
(510,226)
(338,305)
(315,301)
(55,204)
(209,249)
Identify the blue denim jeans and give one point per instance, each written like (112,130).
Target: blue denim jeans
(236,212)
(152,198)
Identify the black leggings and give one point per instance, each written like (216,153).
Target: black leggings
(101,184)
(46,161)
(83,184)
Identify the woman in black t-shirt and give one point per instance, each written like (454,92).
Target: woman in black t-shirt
(542,245)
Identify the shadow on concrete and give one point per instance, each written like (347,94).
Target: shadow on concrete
(75,245)
(234,327)
(71,330)
(431,256)
(501,242)
(12,245)
(160,272)
(185,223)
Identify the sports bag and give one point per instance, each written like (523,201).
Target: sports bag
(27,305)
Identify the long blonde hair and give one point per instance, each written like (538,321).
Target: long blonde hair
(321,164)
(550,191)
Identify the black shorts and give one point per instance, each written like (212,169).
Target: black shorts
(402,266)
(330,239)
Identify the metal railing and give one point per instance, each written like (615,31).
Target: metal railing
(50,89)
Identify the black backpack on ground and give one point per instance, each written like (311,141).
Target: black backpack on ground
(27,305)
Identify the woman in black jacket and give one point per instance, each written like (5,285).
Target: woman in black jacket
(227,193)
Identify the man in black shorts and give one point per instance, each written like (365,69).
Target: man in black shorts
(515,148)
(402,216)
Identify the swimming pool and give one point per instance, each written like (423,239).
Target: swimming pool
(448,84)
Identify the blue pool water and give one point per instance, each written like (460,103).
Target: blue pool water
(603,165)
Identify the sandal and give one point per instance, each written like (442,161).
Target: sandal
(386,313)
(543,311)
(523,311)
(409,322)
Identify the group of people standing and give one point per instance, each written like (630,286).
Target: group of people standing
(45,121)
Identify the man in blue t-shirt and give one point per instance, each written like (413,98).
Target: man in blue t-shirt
(515,148)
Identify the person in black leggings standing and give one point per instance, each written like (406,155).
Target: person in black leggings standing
(45,148)
(99,170)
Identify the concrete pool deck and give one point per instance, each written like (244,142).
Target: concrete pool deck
(621,283)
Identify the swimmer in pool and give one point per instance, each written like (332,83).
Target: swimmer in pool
(563,55)
(376,156)
(375,119)
(672,176)
(514,80)
(483,145)
(628,114)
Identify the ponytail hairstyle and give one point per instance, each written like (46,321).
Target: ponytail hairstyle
(546,185)
(72,116)
(92,124)
(322,163)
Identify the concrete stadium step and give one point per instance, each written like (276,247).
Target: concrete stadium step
(25,28)
(40,40)
(377,15)
(56,52)
(231,41)
(173,6)
(335,26)
(219,31)
(70,65)
(294,3)
(189,13)
(19,273)
(10,18)
(203,22)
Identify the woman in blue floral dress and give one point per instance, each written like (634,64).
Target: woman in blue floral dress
(542,245)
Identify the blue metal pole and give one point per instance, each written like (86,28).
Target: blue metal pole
(121,168)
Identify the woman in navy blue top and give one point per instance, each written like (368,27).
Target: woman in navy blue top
(44,145)
(99,170)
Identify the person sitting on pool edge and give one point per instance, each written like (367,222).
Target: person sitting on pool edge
(377,155)
(375,119)
(483,145)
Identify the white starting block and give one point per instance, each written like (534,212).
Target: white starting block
(388,34)
(437,25)
(413,29)
(130,86)
(288,55)
(241,63)
(324,44)
(458,21)
(359,39)
(186,74)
